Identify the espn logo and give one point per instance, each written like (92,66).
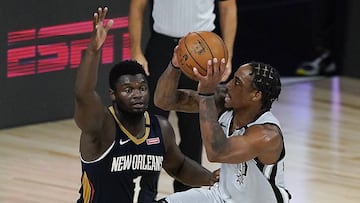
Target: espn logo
(55,48)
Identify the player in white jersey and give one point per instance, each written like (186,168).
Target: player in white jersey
(246,138)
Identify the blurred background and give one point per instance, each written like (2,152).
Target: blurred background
(41,47)
(42,42)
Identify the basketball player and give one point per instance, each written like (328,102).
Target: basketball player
(122,145)
(246,139)
(171,20)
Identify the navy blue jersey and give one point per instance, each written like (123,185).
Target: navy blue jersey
(127,162)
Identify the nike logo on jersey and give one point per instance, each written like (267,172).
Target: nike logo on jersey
(122,142)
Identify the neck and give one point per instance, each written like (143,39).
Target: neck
(133,122)
(242,118)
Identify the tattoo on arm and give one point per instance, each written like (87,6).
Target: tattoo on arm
(211,131)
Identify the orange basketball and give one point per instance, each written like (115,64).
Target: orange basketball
(196,48)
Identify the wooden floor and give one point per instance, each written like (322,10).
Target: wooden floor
(321,123)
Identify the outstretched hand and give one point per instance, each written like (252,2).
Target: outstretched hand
(214,75)
(100,29)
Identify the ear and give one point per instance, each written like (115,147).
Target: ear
(257,95)
(112,94)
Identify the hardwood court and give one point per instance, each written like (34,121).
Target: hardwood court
(320,119)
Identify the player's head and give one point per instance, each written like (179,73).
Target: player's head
(267,80)
(129,86)
(127,67)
(254,83)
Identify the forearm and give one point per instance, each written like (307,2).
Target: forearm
(166,88)
(212,134)
(193,174)
(86,77)
(228,24)
(136,16)
(88,107)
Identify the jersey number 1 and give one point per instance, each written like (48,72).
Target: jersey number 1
(137,188)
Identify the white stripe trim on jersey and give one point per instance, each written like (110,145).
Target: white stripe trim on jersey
(267,170)
(100,158)
(284,195)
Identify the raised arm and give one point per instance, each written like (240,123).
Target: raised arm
(261,141)
(89,110)
(167,95)
(228,27)
(177,165)
(136,19)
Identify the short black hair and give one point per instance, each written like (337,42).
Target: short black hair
(127,67)
(267,80)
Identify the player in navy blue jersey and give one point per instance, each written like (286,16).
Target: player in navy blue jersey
(169,21)
(122,147)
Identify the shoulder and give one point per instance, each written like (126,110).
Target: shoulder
(163,122)
(266,118)
(265,123)
(265,136)
(167,131)
(267,140)
(267,127)
(165,126)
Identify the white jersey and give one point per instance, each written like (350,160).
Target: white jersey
(247,182)
(194,15)
(252,181)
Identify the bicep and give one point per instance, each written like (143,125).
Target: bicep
(173,157)
(255,142)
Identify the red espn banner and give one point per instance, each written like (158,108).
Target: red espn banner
(63,51)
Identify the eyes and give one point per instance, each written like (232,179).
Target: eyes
(129,90)
(237,81)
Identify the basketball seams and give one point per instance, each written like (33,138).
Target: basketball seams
(207,45)
(187,71)
(219,40)
(225,49)
(192,57)
(223,45)
(197,48)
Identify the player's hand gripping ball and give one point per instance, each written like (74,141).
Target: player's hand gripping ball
(196,48)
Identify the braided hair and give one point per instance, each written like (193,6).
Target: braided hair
(127,67)
(267,80)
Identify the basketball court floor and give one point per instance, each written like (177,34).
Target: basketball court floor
(321,125)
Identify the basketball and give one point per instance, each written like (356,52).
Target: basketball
(196,48)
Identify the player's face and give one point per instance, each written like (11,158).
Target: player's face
(132,93)
(240,92)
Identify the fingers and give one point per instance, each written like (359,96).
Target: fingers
(102,13)
(99,18)
(216,68)
(95,20)
(109,24)
(210,67)
(226,74)
(215,176)
(174,59)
